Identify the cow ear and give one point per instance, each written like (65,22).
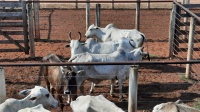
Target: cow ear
(24,92)
(67,45)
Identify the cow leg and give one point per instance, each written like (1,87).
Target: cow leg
(120,83)
(59,97)
(92,88)
(112,86)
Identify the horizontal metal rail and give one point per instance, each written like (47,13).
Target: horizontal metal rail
(111,1)
(101,63)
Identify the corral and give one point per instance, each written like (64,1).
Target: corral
(157,83)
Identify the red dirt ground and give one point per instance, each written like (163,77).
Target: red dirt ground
(157,83)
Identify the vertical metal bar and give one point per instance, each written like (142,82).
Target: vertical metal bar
(25,27)
(190,47)
(133,87)
(98,10)
(3,86)
(137,19)
(185,19)
(36,20)
(87,14)
(171,31)
(31,34)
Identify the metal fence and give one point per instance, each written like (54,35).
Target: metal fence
(56,23)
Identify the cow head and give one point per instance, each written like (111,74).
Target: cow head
(71,83)
(75,45)
(92,31)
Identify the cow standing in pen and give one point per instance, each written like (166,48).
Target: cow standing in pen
(55,77)
(98,73)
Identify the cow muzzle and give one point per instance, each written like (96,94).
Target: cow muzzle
(67,92)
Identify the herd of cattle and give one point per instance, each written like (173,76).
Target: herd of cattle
(111,45)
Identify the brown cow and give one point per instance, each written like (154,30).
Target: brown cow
(54,77)
(177,106)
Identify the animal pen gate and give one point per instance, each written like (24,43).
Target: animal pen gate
(16,26)
(184,34)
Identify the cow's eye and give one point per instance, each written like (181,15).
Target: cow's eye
(47,95)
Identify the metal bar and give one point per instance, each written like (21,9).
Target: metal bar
(188,11)
(133,88)
(171,31)
(99,1)
(137,19)
(3,86)
(101,63)
(190,47)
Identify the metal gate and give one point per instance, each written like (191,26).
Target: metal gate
(13,26)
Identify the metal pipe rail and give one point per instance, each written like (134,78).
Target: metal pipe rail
(188,11)
(111,1)
(101,63)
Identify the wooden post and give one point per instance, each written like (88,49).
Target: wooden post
(3,86)
(133,88)
(171,31)
(137,19)
(25,27)
(36,20)
(190,47)
(98,10)
(31,34)
(87,14)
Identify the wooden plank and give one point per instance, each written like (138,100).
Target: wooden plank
(11,50)
(10,4)
(13,41)
(191,6)
(11,14)
(11,10)
(11,24)
(183,32)
(13,32)
(188,15)
(11,18)
(8,42)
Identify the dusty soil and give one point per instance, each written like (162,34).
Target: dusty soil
(157,83)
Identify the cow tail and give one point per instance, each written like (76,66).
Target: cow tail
(144,39)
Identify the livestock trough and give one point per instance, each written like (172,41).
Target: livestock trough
(171,32)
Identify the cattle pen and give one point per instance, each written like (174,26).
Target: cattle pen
(165,78)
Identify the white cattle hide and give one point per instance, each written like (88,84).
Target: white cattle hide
(177,106)
(38,108)
(38,95)
(111,33)
(94,104)
(97,73)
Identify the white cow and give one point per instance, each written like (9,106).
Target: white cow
(111,33)
(38,95)
(177,106)
(92,46)
(94,104)
(38,108)
(98,73)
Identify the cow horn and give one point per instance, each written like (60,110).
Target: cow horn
(131,44)
(70,35)
(79,36)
